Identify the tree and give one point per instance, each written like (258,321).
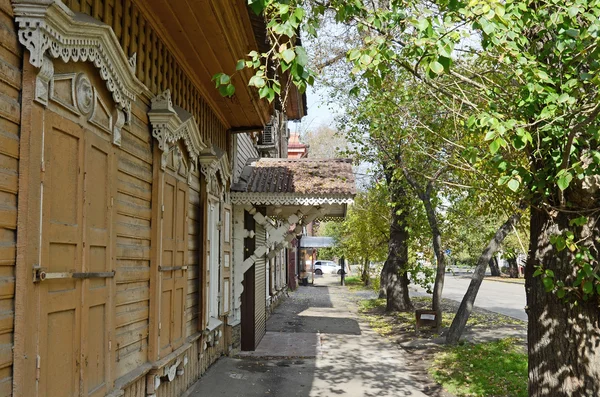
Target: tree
(364,232)
(466,306)
(394,274)
(324,142)
(523,76)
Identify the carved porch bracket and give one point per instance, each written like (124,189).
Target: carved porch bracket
(279,238)
(50,30)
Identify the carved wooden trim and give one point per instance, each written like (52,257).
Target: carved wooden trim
(170,125)
(245,198)
(48,29)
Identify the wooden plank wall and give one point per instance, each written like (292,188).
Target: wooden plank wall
(244,150)
(10,116)
(133,202)
(157,68)
(260,296)
(199,361)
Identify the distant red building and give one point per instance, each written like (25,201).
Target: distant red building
(296,149)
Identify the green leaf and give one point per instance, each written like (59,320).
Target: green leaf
(423,24)
(264,91)
(288,55)
(548,284)
(513,184)
(301,56)
(227,90)
(366,59)
(257,81)
(495,145)
(573,11)
(283,8)
(549,273)
(574,33)
(353,55)
(588,287)
(564,180)
(436,67)
(491,134)
(560,293)
(230,90)
(582,220)
(538,272)
(241,64)
(224,79)
(446,50)
(559,243)
(299,13)
(257,6)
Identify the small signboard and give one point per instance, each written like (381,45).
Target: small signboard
(427,318)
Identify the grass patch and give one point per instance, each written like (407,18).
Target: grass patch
(374,311)
(354,280)
(355,283)
(480,370)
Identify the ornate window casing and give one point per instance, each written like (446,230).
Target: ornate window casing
(49,30)
(171,124)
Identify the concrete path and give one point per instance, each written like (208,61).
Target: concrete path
(504,298)
(318,346)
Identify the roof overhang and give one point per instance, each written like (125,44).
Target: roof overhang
(209,37)
(282,205)
(317,242)
(284,186)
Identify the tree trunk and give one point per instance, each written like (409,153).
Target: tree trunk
(563,338)
(394,275)
(494,268)
(513,268)
(366,276)
(440,257)
(466,306)
(383,280)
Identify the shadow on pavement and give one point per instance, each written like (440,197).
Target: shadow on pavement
(348,359)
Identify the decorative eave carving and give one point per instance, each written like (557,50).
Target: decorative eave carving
(211,164)
(48,29)
(168,126)
(224,169)
(244,198)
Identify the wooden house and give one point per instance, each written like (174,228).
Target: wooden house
(115,210)
(274,199)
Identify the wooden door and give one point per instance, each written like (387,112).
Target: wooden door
(247,320)
(173,267)
(76,259)
(97,289)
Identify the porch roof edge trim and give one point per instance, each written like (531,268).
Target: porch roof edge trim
(282,199)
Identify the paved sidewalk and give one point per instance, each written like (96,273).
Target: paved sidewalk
(316,345)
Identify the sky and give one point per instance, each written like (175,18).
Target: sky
(320,111)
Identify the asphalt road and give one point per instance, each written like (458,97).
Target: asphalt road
(504,298)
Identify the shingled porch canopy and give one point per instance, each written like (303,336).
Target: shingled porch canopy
(295,192)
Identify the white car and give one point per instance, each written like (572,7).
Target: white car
(326,267)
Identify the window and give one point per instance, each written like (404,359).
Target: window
(213,258)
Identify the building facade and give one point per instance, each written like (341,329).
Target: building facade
(116,163)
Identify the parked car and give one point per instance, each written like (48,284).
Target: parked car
(327,267)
